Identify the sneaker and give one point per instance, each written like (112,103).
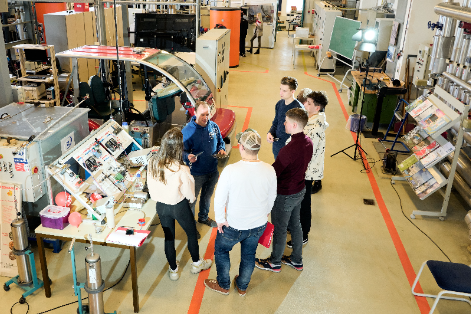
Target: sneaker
(198,235)
(173,274)
(204,264)
(316,187)
(265,264)
(287,261)
(214,285)
(208,222)
(241,292)
(290,244)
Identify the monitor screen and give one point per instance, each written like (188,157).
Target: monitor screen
(36,55)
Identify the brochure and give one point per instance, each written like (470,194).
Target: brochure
(420,108)
(419,178)
(406,164)
(437,154)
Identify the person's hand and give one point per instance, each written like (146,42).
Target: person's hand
(220,225)
(270,138)
(222,152)
(192,158)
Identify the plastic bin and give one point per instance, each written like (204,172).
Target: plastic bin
(354,121)
(55,217)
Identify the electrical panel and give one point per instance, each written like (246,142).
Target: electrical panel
(422,65)
(384,27)
(323,24)
(103,155)
(212,56)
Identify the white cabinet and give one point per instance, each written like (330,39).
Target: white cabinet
(212,57)
(323,23)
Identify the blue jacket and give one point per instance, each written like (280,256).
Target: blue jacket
(197,139)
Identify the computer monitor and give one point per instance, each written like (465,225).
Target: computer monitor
(36,55)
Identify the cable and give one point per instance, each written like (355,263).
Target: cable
(11,309)
(60,306)
(402,209)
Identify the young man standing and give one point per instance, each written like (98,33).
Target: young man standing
(290,167)
(201,140)
(277,134)
(244,197)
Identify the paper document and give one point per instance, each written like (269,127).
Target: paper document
(119,236)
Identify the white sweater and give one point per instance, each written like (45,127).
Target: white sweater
(315,129)
(180,185)
(245,194)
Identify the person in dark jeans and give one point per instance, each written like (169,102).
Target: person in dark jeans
(257,34)
(290,167)
(244,198)
(277,134)
(244,26)
(202,139)
(172,186)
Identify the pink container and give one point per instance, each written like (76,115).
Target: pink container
(55,217)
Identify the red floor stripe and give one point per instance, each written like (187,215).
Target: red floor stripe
(422,303)
(198,293)
(246,121)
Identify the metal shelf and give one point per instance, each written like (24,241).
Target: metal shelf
(16,23)
(18,42)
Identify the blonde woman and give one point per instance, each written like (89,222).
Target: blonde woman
(257,34)
(173,188)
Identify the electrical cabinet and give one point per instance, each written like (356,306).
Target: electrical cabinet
(422,65)
(212,57)
(322,26)
(384,27)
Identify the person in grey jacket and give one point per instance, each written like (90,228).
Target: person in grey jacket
(257,34)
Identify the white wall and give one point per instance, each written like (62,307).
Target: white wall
(417,32)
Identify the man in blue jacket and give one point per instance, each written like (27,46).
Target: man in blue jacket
(277,134)
(202,140)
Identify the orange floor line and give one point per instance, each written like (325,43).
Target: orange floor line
(198,293)
(266,71)
(246,121)
(422,303)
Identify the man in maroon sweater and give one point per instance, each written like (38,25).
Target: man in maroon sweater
(290,166)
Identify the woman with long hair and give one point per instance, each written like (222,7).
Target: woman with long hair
(173,188)
(257,34)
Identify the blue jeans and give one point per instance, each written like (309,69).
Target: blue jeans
(224,243)
(284,215)
(206,184)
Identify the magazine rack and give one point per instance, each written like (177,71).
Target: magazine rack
(457,112)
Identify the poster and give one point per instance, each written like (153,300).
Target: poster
(394,30)
(8,265)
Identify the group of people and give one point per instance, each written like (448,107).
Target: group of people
(247,191)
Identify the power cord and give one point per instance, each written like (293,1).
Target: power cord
(60,306)
(11,309)
(402,209)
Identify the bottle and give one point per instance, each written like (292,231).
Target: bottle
(138,184)
(125,127)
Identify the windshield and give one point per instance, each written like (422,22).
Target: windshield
(184,73)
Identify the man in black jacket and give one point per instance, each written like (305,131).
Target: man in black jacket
(244,26)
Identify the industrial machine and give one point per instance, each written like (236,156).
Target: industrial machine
(422,66)
(322,26)
(212,58)
(30,139)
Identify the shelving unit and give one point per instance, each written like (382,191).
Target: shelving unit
(50,80)
(458,113)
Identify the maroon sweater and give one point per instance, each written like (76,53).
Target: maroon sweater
(291,164)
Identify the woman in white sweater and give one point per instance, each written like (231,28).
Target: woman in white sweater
(173,188)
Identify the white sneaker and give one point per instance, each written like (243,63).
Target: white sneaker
(173,274)
(204,264)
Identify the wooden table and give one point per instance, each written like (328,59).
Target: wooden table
(374,77)
(128,219)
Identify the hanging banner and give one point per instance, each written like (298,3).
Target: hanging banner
(8,191)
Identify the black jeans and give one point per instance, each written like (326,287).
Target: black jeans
(305,213)
(180,212)
(259,41)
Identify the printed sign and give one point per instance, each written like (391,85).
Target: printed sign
(67,142)
(21,166)
(8,266)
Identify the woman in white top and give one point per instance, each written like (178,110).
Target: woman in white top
(257,34)
(173,188)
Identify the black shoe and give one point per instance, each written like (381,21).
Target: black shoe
(198,235)
(257,52)
(250,50)
(316,187)
(208,222)
(287,261)
(243,55)
(290,244)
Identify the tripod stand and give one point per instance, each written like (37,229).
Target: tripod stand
(358,148)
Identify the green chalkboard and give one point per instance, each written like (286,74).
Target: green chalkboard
(341,39)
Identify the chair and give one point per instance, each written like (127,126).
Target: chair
(453,278)
(98,103)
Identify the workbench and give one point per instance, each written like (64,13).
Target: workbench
(371,97)
(123,218)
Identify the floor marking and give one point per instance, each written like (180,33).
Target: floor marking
(422,303)
(198,293)
(265,72)
(246,121)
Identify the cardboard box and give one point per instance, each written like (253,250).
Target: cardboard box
(34,92)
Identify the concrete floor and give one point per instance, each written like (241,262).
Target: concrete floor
(359,259)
